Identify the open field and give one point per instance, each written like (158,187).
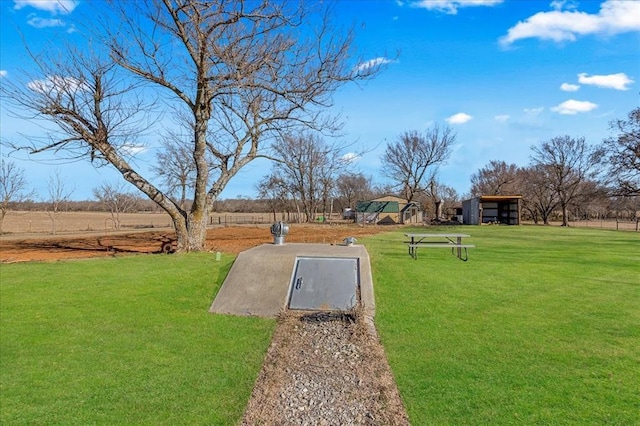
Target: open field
(21,223)
(37,222)
(540,326)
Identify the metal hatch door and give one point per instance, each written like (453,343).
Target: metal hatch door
(324,283)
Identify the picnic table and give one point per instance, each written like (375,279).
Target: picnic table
(452,241)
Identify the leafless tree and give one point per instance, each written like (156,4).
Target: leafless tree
(593,201)
(571,162)
(496,178)
(353,187)
(13,188)
(116,199)
(626,207)
(58,197)
(275,190)
(412,161)
(539,197)
(441,197)
(623,156)
(242,73)
(175,167)
(308,167)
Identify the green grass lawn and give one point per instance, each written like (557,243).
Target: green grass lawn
(124,341)
(540,326)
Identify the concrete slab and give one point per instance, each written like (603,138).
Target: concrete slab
(258,282)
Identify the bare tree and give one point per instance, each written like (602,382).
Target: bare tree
(496,178)
(175,167)
(413,159)
(275,190)
(242,74)
(626,207)
(13,188)
(539,197)
(623,156)
(308,167)
(116,198)
(353,187)
(58,197)
(441,197)
(592,201)
(570,162)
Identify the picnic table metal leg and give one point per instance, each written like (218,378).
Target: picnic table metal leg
(413,250)
(459,239)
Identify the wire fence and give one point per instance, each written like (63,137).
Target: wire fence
(21,222)
(618,225)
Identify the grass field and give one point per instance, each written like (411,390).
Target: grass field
(124,341)
(540,326)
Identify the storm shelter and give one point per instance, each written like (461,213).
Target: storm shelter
(324,283)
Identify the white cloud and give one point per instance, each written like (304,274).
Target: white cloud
(451,7)
(3,73)
(54,84)
(38,22)
(573,107)
(533,111)
(459,118)
(614,17)
(567,87)
(132,149)
(350,157)
(372,63)
(618,81)
(62,7)
(563,4)
(502,118)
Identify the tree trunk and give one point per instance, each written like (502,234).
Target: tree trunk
(197,226)
(192,232)
(438,204)
(565,215)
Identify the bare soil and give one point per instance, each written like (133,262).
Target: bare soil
(39,247)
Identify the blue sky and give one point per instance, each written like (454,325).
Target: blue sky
(504,74)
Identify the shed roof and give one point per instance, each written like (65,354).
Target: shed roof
(411,205)
(377,207)
(496,198)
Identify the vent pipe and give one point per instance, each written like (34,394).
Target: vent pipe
(279,230)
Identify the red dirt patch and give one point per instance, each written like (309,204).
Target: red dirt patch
(223,239)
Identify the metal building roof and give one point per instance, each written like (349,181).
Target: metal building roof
(377,207)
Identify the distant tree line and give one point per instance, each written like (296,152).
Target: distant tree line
(566,179)
(245,80)
(569,176)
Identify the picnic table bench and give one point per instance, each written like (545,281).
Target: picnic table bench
(452,241)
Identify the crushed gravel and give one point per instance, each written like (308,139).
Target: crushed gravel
(325,369)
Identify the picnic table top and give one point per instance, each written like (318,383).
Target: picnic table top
(416,235)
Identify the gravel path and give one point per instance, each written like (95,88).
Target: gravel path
(324,369)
